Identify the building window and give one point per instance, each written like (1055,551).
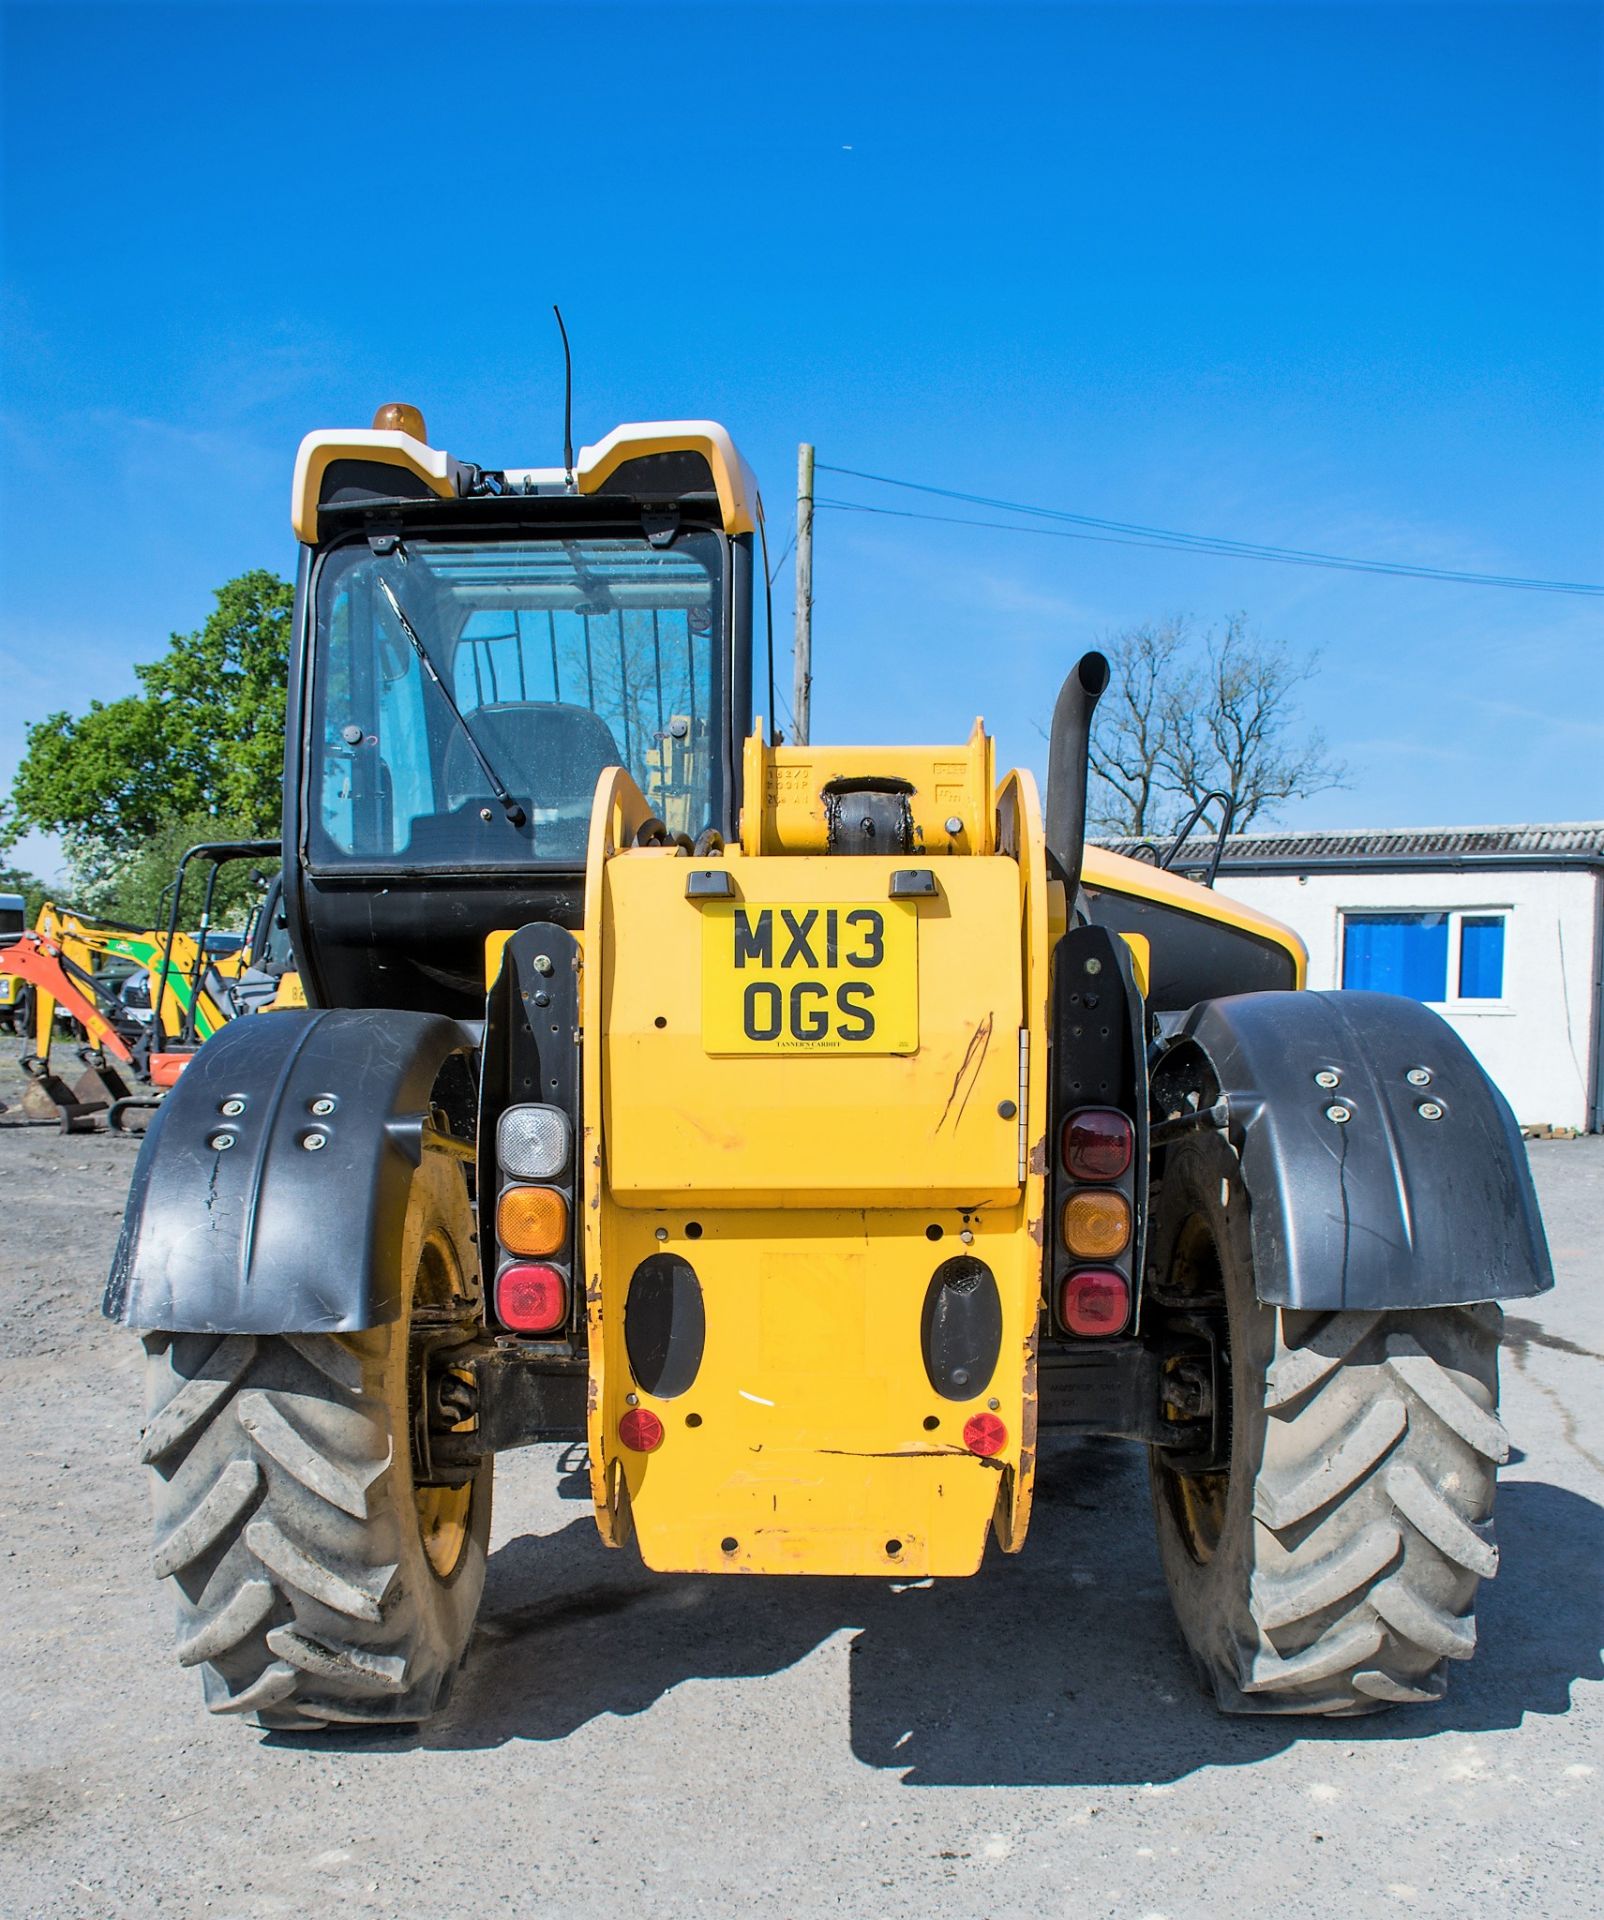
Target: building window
(1417,954)
(1403,953)
(1481,956)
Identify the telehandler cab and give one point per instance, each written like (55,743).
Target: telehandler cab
(808,1130)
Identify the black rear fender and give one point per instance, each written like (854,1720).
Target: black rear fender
(1402,1182)
(268,1234)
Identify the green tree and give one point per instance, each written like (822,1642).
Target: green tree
(202,742)
(139,891)
(29,885)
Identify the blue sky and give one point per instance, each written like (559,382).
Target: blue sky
(1327,277)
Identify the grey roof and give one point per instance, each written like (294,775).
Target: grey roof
(1564,842)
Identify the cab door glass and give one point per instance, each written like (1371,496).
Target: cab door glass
(562,657)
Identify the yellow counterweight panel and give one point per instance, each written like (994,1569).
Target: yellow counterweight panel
(802,1444)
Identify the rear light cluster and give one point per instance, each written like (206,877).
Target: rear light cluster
(1097,1148)
(535,1150)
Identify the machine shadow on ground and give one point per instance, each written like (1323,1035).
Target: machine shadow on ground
(1059,1667)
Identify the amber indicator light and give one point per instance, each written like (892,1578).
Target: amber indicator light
(1097,1223)
(532,1220)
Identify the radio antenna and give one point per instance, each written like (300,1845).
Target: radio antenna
(568,400)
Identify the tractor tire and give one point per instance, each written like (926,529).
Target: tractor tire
(1331,1567)
(315,1581)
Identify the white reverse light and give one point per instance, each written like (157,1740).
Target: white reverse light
(533,1143)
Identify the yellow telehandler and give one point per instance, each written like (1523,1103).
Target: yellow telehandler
(807,1130)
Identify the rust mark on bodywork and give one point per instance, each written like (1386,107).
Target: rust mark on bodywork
(1018,1522)
(1038,1155)
(1028,1407)
(974,1059)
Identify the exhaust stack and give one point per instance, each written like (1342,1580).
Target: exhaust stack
(1068,756)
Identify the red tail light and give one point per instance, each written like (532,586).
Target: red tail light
(1095,1301)
(1097,1144)
(531,1297)
(985,1434)
(641,1430)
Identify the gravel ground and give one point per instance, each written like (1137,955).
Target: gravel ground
(1026,1743)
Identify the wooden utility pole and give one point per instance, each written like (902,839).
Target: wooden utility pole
(802,684)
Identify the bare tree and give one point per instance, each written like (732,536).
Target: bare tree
(1187,715)
(1134,724)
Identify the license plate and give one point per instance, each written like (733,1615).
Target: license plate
(784,978)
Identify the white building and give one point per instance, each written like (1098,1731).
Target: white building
(1500,929)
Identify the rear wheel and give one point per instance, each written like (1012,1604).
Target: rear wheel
(316,1578)
(1331,1565)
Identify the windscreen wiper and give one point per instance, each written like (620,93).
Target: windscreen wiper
(516,816)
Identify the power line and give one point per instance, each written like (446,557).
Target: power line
(1133,534)
(774,571)
(1000,526)
(1182,544)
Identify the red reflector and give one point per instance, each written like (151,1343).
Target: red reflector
(985,1434)
(641,1430)
(531,1297)
(1095,1301)
(1097,1144)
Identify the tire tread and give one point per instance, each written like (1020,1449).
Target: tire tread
(1356,1521)
(1411,1536)
(276,1532)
